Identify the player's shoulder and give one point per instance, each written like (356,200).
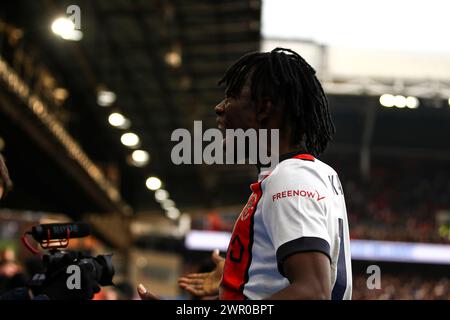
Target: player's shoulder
(296,166)
(300,170)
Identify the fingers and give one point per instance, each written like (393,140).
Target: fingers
(196,276)
(145,294)
(193,286)
(198,287)
(216,258)
(192,290)
(191,281)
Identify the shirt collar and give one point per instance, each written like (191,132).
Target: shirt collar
(263,172)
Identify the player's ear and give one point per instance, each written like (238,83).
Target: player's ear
(264,110)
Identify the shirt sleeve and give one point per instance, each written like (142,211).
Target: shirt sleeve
(295,212)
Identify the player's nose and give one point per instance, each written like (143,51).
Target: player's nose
(220,107)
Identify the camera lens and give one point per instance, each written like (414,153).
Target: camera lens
(107,269)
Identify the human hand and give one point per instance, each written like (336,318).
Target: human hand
(145,294)
(204,284)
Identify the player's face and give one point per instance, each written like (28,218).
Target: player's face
(237,112)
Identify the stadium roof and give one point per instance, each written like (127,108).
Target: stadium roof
(162,59)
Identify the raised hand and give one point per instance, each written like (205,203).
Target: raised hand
(204,284)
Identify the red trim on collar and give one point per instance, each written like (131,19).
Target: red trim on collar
(304,156)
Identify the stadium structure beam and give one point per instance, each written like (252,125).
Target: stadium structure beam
(376,87)
(49,133)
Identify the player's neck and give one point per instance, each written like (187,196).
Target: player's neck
(285,151)
(286,147)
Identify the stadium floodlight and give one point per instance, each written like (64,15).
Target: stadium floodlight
(140,158)
(60,94)
(167,204)
(412,102)
(105,98)
(130,139)
(161,195)
(74,35)
(65,28)
(173,59)
(153,183)
(117,119)
(173,213)
(400,101)
(62,25)
(387,100)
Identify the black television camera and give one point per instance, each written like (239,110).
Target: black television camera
(69,275)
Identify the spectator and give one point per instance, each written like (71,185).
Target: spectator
(403,287)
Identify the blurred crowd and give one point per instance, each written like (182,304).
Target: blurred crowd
(399,202)
(12,274)
(402,287)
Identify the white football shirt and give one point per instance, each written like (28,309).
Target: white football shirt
(297,207)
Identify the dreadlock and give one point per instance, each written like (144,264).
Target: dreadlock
(285,78)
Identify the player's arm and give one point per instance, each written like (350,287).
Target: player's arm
(308,274)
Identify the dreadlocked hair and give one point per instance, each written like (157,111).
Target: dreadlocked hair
(286,79)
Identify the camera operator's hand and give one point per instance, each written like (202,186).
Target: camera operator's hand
(145,294)
(204,284)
